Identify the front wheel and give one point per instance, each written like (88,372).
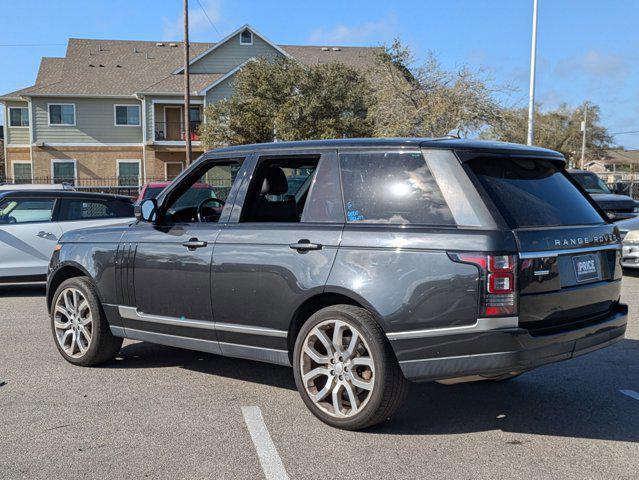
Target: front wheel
(80,329)
(345,369)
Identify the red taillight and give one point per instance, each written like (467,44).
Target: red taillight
(497,279)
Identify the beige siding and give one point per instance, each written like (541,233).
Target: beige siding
(16,135)
(231,54)
(94,122)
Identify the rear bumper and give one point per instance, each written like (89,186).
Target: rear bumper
(495,352)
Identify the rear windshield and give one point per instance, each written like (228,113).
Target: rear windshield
(591,183)
(533,193)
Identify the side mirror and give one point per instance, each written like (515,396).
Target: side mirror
(147,210)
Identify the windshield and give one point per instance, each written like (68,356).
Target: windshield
(152,192)
(591,183)
(533,193)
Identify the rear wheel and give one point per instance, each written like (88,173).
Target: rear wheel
(80,329)
(345,370)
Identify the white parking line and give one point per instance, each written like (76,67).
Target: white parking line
(630,393)
(266,452)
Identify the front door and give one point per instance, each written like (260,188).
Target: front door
(276,252)
(165,266)
(28,236)
(174,121)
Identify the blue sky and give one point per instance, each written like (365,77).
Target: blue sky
(587,49)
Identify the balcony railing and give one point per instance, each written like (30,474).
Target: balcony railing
(175,131)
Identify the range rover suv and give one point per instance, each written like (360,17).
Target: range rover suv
(394,260)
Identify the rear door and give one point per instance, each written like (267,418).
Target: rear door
(569,254)
(276,251)
(27,235)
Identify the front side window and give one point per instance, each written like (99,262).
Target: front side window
(533,193)
(202,198)
(18,117)
(21,173)
(127,115)
(128,174)
(392,188)
(279,189)
(61,114)
(63,172)
(26,210)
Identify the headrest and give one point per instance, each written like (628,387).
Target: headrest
(274,182)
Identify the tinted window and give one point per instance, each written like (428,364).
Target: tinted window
(591,183)
(392,188)
(152,192)
(531,193)
(25,210)
(324,202)
(86,210)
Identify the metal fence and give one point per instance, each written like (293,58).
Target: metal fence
(624,183)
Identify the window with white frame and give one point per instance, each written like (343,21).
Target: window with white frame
(246,37)
(62,114)
(127,115)
(63,171)
(21,172)
(18,117)
(128,173)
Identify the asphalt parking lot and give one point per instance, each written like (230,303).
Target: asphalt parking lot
(160,412)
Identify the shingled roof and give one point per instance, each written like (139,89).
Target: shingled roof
(125,68)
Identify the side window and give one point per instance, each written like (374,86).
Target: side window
(26,210)
(203,197)
(279,189)
(391,188)
(79,209)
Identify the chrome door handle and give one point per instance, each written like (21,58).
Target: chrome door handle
(194,243)
(305,245)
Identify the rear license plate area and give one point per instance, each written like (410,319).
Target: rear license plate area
(587,267)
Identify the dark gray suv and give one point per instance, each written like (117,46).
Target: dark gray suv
(360,263)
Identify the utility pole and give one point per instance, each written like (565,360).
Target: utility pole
(531,96)
(187,86)
(584,125)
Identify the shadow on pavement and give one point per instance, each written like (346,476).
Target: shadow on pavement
(148,355)
(23,290)
(580,400)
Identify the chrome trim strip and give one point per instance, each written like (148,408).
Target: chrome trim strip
(556,253)
(133,314)
(482,325)
(269,332)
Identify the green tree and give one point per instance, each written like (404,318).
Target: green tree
(286,100)
(558,129)
(427,100)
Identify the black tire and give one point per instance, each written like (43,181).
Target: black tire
(390,386)
(103,346)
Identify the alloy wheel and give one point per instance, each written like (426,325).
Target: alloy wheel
(337,369)
(73,322)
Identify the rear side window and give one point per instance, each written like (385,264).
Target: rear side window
(391,188)
(533,193)
(79,209)
(26,210)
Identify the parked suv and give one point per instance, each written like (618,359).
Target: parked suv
(617,207)
(392,260)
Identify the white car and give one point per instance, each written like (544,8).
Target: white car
(32,221)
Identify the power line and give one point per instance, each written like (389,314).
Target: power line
(207,17)
(622,133)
